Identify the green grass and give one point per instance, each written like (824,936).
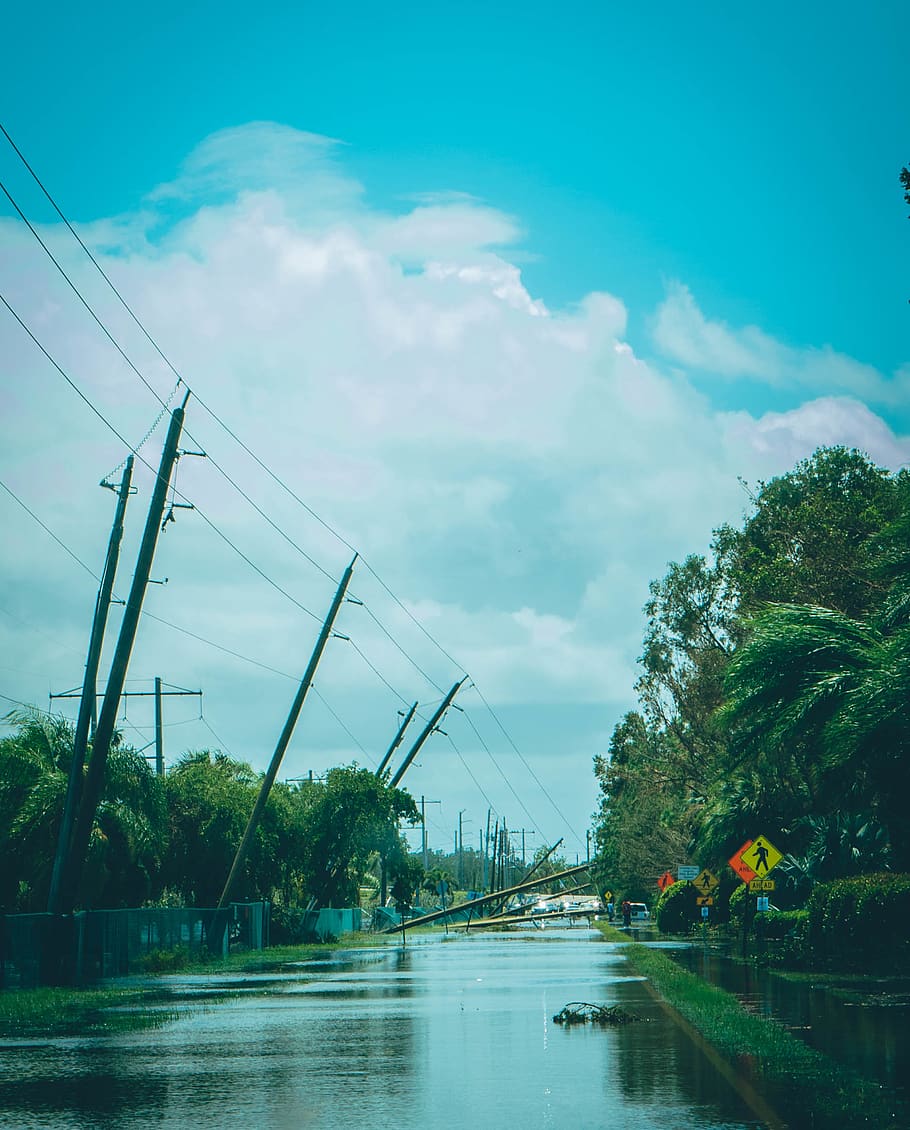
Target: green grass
(68,1012)
(802,1082)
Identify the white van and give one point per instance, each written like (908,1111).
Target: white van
(640,912)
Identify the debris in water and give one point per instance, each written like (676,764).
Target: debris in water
(580,1012)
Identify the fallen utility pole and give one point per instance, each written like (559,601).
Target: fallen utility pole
(275,764)
(427,730)
(89,682)
(94,778)
(396,741)
(434,915)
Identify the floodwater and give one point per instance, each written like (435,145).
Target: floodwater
(441,1033)
(861,1023)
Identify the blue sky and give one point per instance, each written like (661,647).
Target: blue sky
(558,278)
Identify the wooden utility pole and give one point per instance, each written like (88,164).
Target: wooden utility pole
(87,702)
(427,730)
(275,764)
(94,778)
(396,741)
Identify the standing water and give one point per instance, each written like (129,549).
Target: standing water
(437,1034)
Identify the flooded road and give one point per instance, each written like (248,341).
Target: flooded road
(439,1034)
(848,1020)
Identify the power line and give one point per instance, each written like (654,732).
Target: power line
(321,698)
(469,772)
(521,756)
(179,494)
(503,774)
(413,662)
(378,673)
(259,462)
(224,748)
(50,532)
(149,615)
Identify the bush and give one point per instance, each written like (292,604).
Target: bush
(736,906)
(785,934)
(677,910)
(861,923)
(165,961)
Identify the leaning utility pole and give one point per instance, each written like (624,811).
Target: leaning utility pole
(89,682)
(94,778)
(283,741)
(396,741)
(427,730)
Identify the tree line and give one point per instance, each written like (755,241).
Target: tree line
(775,672)
(171,839)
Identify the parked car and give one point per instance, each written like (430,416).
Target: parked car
(640,912)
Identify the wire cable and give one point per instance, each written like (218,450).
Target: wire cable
(521,756)
(65,548)
(365,753)
(214,415)
(179,494)
(469,772)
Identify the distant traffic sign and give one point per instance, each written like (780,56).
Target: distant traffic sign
(686,871)
(761,856)
(742,869)
(666,880)
(762,885)
(704,900)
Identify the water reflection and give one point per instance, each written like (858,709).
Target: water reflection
(438,1033)
(861,1031)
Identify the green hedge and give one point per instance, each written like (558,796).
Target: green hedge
(861,923)
(676,909)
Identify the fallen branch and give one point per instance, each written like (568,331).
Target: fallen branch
(580,1012)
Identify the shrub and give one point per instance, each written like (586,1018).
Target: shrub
(677,910)
(861,923)
(785,934)
(165,961)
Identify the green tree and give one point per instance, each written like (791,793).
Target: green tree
(645,821)
(209,800)
(808,540)
(129,833)
(836,689)
(351,820)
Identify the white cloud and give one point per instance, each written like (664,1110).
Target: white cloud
(515,471)
(684,334)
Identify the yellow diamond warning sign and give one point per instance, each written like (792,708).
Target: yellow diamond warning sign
(761,856)
(706,881)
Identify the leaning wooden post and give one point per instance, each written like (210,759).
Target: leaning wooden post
(219,921)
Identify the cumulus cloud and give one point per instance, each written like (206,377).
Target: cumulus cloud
(516,472)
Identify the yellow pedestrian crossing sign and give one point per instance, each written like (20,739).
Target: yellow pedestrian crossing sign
(761,856)
(706,881)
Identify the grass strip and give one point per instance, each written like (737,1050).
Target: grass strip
(808,1087)
(78,1012)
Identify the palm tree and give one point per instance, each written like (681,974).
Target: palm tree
(816,680)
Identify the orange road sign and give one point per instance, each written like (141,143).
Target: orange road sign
(742,869)
(666,880)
